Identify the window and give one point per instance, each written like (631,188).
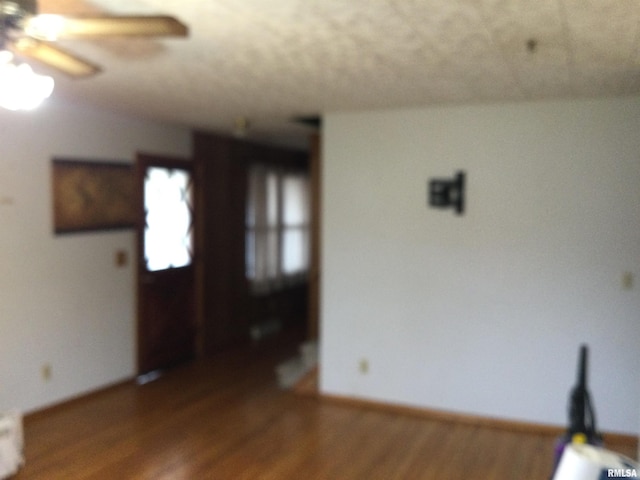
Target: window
(277,228)
(168,233)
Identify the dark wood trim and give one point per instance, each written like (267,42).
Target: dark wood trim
(228,308)
(315,172)
(221,197)
(225,417)
(308,385)
(517,426)
(77,400)
(181,343)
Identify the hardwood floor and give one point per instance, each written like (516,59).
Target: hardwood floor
(225,418)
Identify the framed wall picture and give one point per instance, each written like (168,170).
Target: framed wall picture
(92,195)
(448,193)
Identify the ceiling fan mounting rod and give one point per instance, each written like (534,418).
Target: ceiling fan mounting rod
(26,7)
(12,17)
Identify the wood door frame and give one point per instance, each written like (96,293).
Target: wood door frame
(143,160)
(315,177)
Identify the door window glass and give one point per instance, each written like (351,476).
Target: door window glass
(168,203)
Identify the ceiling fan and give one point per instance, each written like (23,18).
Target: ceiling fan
(26,33)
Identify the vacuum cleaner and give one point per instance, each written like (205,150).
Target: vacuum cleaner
(582,417)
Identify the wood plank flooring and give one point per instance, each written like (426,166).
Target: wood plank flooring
(225,418)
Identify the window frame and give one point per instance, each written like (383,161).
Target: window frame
(266,275)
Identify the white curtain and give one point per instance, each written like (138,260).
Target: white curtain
(277,227)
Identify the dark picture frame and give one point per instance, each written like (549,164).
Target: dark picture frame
(448,193)
(92,195)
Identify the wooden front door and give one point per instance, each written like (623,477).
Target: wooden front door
(166,278)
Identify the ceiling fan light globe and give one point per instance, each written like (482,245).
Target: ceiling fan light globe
(5,57)
(21,88)
(45,27)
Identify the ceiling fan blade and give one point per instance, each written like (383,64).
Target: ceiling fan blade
(55,57)
(63,26)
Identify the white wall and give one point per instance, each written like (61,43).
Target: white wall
(62,299)
(484,313)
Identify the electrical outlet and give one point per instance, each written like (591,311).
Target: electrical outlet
(363,366)
(46,372)
(121,258)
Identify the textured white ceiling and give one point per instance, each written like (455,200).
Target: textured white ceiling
(271,60)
